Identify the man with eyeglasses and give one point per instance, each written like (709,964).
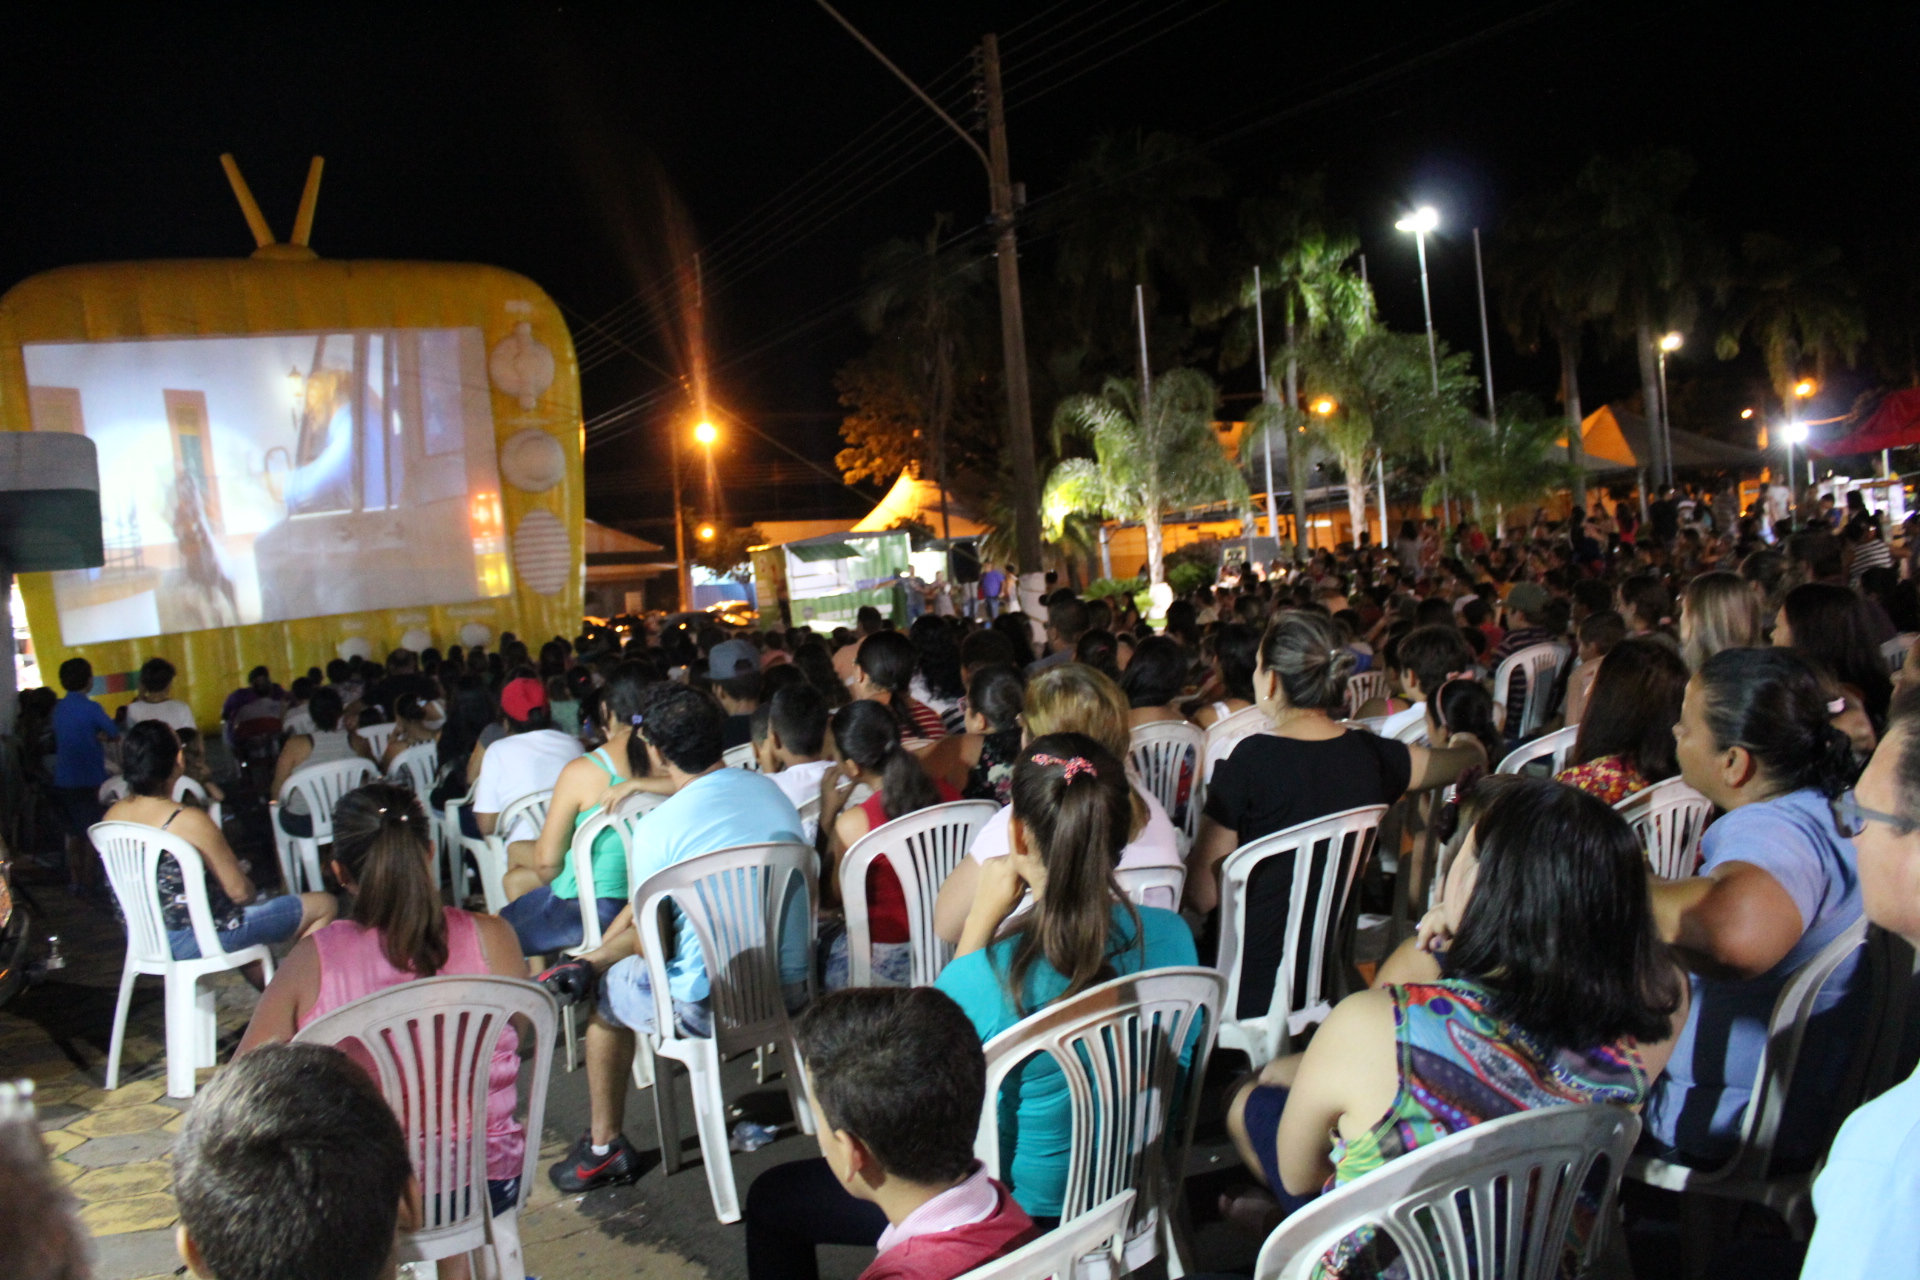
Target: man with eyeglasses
(1868,1195)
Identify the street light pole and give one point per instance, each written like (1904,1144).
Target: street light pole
(1668,343)
(1013,327)
(1421,221)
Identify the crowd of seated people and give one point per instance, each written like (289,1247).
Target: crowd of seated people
(1753,673)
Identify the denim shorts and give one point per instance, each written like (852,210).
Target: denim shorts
(891,962)
(545,923)
(626,1000)
(274,920)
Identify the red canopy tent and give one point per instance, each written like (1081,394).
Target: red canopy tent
(1894,425)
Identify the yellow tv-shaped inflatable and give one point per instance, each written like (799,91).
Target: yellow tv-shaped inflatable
(300,459)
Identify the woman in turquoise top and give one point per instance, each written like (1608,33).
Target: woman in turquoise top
(543,899)
(1072,814)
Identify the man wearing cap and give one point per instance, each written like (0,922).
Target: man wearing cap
(734,668)
(527,760)
(1526,616)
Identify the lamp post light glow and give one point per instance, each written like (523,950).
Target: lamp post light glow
(1419,222)
(1803,388)
(1324,406)
(1746,413)
(1793,433)
(705,433)
(706,533)
(1671,342)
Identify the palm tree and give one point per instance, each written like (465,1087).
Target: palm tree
(1642,261)
(1516,462)
(1305,282)
(1378,392)
(1140,470)
(1136,219)
(1538,271)
(1795,305)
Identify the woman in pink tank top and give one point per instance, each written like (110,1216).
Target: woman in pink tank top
(398,931)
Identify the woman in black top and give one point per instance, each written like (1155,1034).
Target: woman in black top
(1304,768)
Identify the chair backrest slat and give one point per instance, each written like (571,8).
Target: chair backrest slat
(1363,688)
(415,768)
(532,806)
(922,848)
(432,1042)
(1541,665)
(1132,1103)
(1553,747)
(1166,756)
(322,785)
(1328,856)
(1225,734)
(741,757)
(734,900)
(1057,1254)
(1670,818)
(1496,1201)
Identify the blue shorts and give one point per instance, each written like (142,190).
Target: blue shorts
(1261,1117)
(274,920)
(891,963)
(626,1001)
(545,923)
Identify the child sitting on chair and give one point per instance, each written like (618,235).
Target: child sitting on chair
(897,1079)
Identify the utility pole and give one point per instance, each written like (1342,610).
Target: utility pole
(1013,324)
(685,574)
(1267,397)
(1013,327)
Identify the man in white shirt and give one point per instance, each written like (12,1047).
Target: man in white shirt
(156,683)
(788,734)
(529,759)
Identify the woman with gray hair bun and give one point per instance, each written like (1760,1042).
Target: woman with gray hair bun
(1305,767)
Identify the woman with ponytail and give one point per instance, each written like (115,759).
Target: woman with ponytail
(543,898)
(866,743)
(883,672)
(1072,813)
(1777,882)
(396,932)
(1307,766)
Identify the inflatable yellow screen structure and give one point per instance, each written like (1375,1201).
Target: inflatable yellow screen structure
(300,460)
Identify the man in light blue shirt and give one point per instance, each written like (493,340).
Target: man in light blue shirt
(711,808)
(1868,1196)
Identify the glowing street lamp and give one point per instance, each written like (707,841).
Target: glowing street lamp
(1804,388)
(1419,223)
(1324,406)
(1668,342)
(1746,413)
(706,433)
(705,532)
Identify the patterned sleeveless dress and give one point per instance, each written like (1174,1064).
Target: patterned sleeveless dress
(1460,1065)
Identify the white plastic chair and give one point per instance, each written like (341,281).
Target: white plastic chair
(1413,733)
(1132,1103)
(1746,1174)
(1152,886)
(188,787)
(733,900)
(741,757)
(321,786)
(1166,755)
(1328,856)
(460,845)
(432,1044)
(415,769)
(376,737)
(1058,1254)
(1670,818)
(923,848)
(1513,1183)
(131,852)
(1895,651)
(580,857)
(1363,688)
(1224,735)
(1553,747)
(1540,663)
(1368,724)
(491,853)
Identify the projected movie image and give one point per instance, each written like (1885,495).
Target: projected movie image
(277,476)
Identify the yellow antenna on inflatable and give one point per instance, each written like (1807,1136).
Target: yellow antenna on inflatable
(266,247)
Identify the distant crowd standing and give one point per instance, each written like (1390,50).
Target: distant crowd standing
(1762,667)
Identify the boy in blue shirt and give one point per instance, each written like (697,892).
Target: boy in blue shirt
(79,765)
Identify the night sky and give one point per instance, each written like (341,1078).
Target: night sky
(538,137)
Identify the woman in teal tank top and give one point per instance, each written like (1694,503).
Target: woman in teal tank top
(1539,981)
(544,899)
